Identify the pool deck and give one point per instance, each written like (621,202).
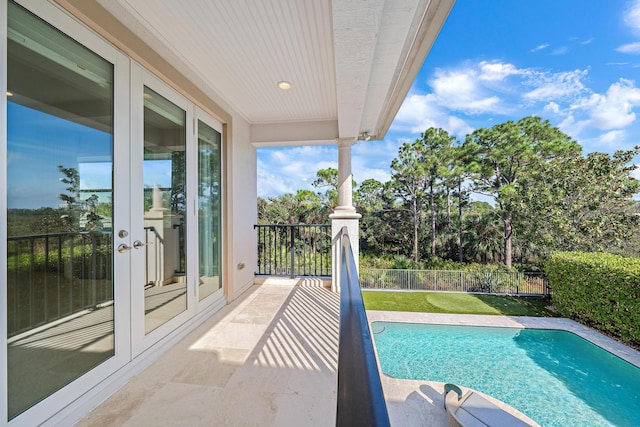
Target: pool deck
(419,403)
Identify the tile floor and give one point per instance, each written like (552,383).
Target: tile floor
(267,359)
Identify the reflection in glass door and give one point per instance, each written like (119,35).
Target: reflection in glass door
(60,311)
(164,180)
(209,211)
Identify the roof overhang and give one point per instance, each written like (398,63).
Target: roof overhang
(350,62)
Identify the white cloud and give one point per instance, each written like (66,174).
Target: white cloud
(417,108)
(632,16)
(460,90)
(562,50)
(552,107)
(420,112)
(633,48)
(632,20)
(272,185)
(573,127)
(476,94)
(540,47)
(289,169)
(612,138)
(377,148)
(614,110)
(361,171)
(280,156)
(491,88)
(458,126)
(497,71)
(555,86)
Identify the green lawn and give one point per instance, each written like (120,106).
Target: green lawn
(456,303)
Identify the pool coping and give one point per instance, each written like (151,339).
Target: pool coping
(413,403)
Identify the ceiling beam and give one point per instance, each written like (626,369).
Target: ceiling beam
(356,26)
(294,133)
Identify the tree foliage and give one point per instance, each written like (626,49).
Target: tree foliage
(542,194)
(501,158)
(582,203)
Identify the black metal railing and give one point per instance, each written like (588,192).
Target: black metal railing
(478,281)
(360,396)
(294,249)
(51,276)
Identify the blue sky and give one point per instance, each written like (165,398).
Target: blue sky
(575,63)
(33,157)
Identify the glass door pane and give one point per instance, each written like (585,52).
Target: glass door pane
(209,219)
(60,309)
(164,180)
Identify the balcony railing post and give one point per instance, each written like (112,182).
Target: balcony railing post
(293,251)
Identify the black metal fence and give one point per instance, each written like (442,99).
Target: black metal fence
(481,281)
(294,249)
(51,276)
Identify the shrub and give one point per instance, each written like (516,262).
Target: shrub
(368,261)
(598,289)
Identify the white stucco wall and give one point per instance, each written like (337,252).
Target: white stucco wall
(241,208)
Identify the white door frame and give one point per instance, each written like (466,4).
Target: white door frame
(218,297)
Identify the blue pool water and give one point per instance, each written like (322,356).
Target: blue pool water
(554,377)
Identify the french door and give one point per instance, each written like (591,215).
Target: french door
(162,289)
(175,164)
(113,207)
(67,314)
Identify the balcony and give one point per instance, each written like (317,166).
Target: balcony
(270,358)
(276,344)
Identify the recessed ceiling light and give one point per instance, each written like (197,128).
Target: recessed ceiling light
(9,93)
(284,85)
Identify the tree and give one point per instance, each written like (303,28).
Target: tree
(277,210)
(482,234)
(369,196)
(328,178)
(500,157)
(380,220)
(409,177)
(419,171)
(437,156)
(583,203)
(458,172)
(308,208)
(75,206)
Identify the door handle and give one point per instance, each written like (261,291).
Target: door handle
(138,244)
(122,248)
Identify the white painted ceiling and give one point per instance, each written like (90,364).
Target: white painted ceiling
(350,62)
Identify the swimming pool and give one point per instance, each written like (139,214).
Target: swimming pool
(555,377)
